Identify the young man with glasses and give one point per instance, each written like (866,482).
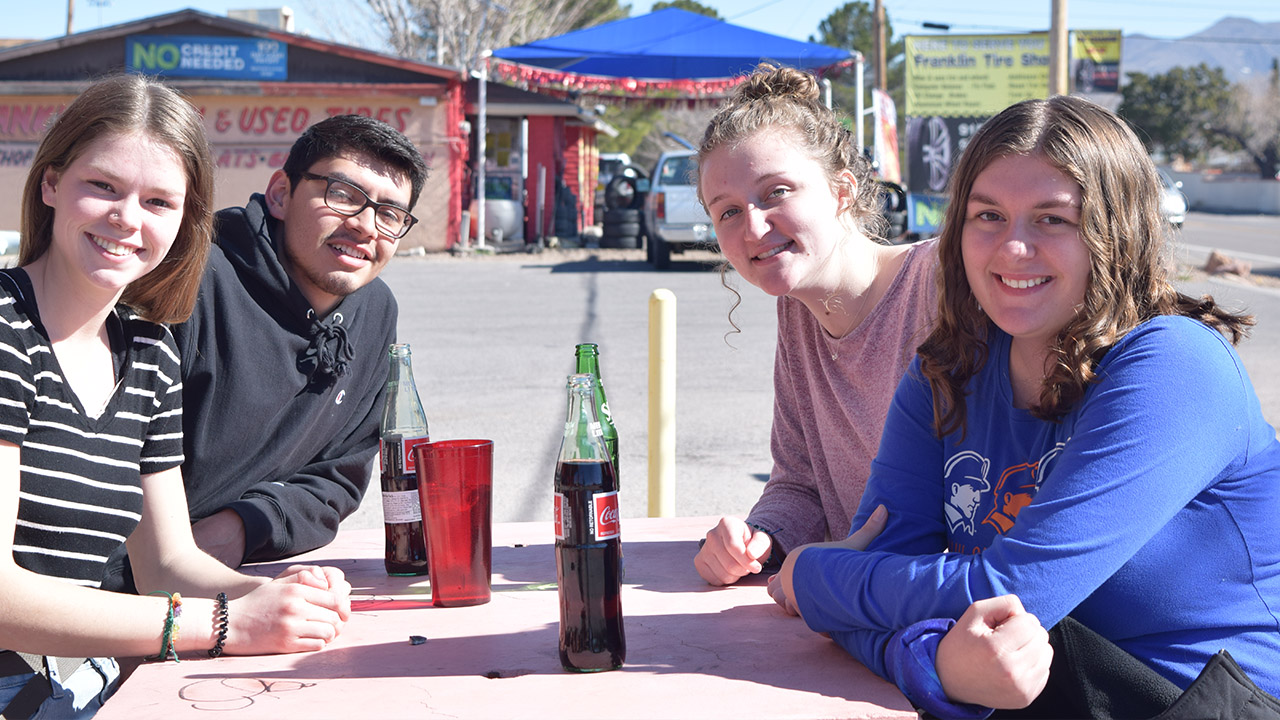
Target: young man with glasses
(284,359)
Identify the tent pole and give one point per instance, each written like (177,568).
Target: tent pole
(481,160)
(877,137)
(859,69)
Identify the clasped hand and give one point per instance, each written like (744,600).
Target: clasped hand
(302,609)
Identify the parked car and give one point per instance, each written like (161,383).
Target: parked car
(1173,204)
(9,241)
(674,218)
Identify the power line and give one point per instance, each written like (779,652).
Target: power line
(1006,30)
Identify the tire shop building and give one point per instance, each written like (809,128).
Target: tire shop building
(259,87)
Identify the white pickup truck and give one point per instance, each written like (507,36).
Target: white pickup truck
(674,217)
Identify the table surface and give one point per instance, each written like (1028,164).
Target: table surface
(693,651)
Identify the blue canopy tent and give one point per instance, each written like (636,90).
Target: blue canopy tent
(669,56)
(670,44)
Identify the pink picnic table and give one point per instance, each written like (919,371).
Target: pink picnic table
(693,651)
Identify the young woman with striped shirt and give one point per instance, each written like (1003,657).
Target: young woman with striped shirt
(116,226)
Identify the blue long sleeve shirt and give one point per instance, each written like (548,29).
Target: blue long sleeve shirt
(1149,513)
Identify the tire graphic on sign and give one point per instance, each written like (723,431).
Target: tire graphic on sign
(936,153)
(1085,72)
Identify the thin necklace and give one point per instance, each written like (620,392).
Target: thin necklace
(832,304)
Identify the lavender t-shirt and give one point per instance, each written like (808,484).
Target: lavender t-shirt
(828,413)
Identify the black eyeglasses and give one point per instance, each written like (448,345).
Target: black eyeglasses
(346,199)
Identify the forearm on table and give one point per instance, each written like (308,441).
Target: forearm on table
(300,513)
(45,616)
(837,589)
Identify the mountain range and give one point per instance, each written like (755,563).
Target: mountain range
(1243,48)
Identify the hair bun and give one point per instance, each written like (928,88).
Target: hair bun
(771,81)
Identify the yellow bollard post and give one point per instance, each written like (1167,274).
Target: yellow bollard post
(662,403)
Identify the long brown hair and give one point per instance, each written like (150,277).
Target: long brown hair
(125,104)
(1120,224)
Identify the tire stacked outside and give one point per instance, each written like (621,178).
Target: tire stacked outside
(623,219)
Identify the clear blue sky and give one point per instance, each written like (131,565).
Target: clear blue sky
(1157,18)
(40,19)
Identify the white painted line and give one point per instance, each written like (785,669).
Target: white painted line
(1271,259)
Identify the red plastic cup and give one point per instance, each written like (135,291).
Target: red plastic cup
(455,487)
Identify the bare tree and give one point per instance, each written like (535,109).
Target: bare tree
(402,20)
(1252,122)
(687,123)
(457,32)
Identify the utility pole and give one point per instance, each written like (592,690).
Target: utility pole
(882,82)
(1058,49)
(71,6)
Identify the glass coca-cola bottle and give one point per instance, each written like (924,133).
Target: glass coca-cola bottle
(404,426)
(588,540)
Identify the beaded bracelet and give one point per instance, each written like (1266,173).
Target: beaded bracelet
(169,637)
(220,622)
(176,603)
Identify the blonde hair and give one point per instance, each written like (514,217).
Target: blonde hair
(125,104)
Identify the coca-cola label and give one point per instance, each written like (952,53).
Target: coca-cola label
(406,449)
(561,516)
(397,456)
(602,524)
(607,523)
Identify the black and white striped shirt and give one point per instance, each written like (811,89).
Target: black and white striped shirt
(81,494)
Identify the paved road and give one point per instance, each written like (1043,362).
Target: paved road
(493,340)
(1254,238)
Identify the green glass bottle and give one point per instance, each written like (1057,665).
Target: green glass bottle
(589,363)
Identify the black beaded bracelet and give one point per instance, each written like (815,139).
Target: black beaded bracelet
(221,623)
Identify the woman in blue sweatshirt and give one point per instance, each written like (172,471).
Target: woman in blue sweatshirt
(1074,432)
